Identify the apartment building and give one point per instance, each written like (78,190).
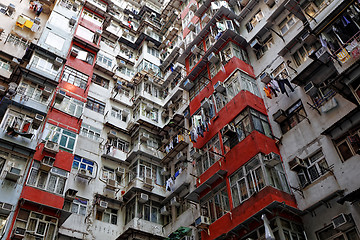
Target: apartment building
(180,120)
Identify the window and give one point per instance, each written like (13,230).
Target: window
(301,55)
(315,7)
(194,58)
(92,17)
(90,132)
(13,122)
(254,21)
(108,173)
(199,84)
(70,106)
(82,163)
(75,77)
(95,105)
(247,121)
(348,145)
(127,71)
(38,225)
(119,114)
(52,181)
(3,221)
(65,138)
(150,211)
(30,90)
(216,206)
(44,64)
(104,60)
(83,55)
(287,23)
(55,41)
(188,18)
(281,71)
(100,81)
(119,143)
(109,215)
(141,169)
(316,166)
(240,81)
(147,66)
(267,43)
(153,52)
(77,206)
(5,65)
(210,156)
(295,114)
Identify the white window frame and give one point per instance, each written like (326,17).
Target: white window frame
(285,25)
(75,77)
(90,132)
(92,17)
(25,88)
(52,132)
(70,106)
(44,64)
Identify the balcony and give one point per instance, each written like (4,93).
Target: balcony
(115,122)
(143,149)
(138,184)
(97,6)
(222,12)
(108,68)
(140,226)
(179,142)
(24,101)
(169,55)
(5,72)
(181,182)
(171,74)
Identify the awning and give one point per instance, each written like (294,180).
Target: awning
(351,197)
(179,233)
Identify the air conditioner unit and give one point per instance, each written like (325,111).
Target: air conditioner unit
(193,7)
(265,78)
(164,210)
(2,90)
(144,136)
(60,95)
(213,58)
(187,85)
(72,20)
(102,205)
(256,44)
(148,183)
(195,49)
(310,89)
(112,133)
(202,222)
(195,153)
(206,103)
(47,163)
(279,116)
(181,156)
(191,27)
(13,174)
(151,44)
(148,107)
(323,55)
(47,91)
(70,194)
(111,184)
(98,32)
(19,233)
(219,87)
(38,119)
(270,3)
(120,171)
(165,171)
(143,198)
(175,202)
(74,52)
(5,208)
(51,147)
(272,159)
(205,18)
(83,173)
(229,130)
(342,222)
(296,164)
(58,62)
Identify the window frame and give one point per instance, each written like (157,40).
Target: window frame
(101,106)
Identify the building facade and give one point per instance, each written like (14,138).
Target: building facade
(179,120)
